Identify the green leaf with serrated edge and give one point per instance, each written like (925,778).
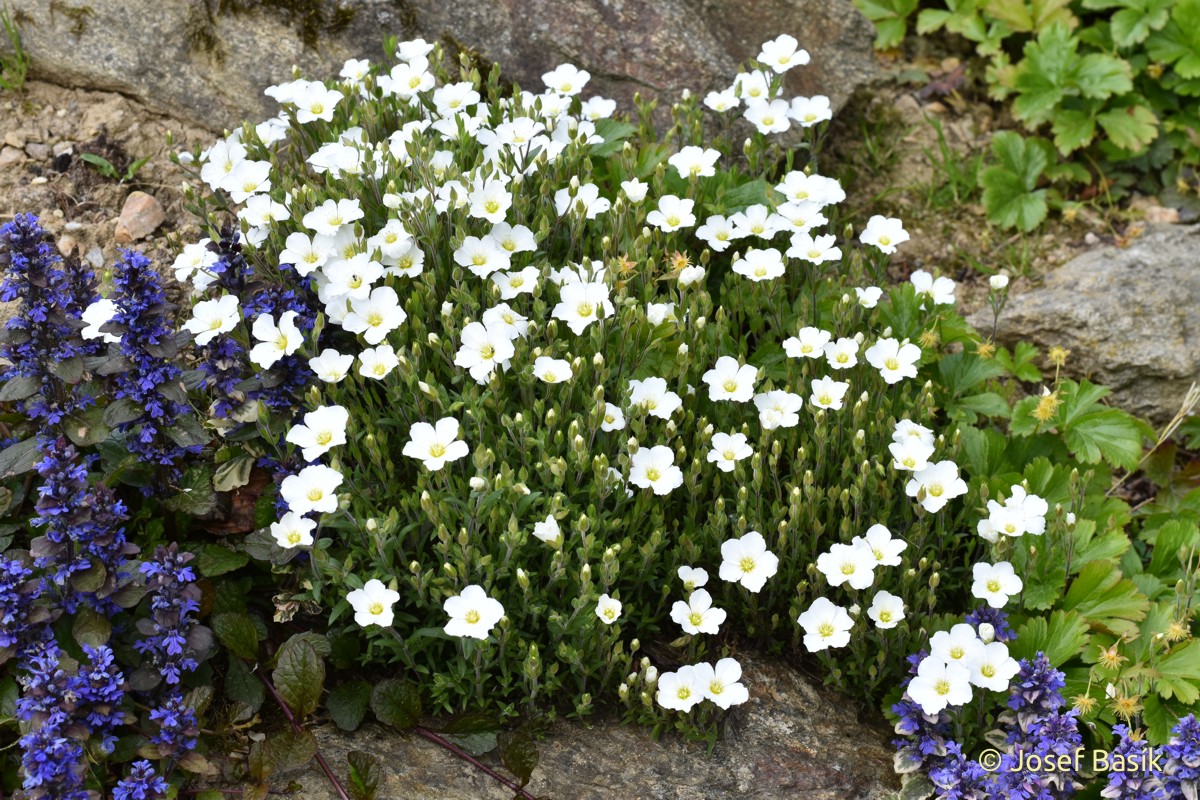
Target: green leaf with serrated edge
(1109,434)
(396,703)
(347,704)
(237,634)
(19,388)
(242,686)
(1009,204)
(519,754)
(1107,600)
(299,678)
(1131,128)
(1060,637)
(1073,129)
(19,458)
(477,744)
(317,641)
(1159,719)
(364,775)
(1179,673)
(1031,16)
(214,560)
(195,495)
(1043,77)
(1172,541)
(86,428)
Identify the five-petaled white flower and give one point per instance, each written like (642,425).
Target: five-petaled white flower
(842,354)
(884,233)
(472,613)
(377,362)
(936,485)
(373,603)
(938,685)
(846,563)
(728,449)
(939,290)
(95,315)
(760,265)
(548,531)
(608,609)
(652,395)
(376,315)
(748,561)
(994,668)
(825,625)
(435,444)
(672,214)
(614,418)
(314,488)
(730,380)
(552,370)
(911,454)
(1020,514)
(483,348)
(782,53)
(323,428)
(995,583)
(777,409)
(722,683)
(697,614)
(828,393)
(886,610)
(693,577)
(959,644)
(695,162)
(808,343)
(211,318)
(679,690)
(879,543)
(276,340)
(581,304)
(895,361)
(654,468)
(293,530)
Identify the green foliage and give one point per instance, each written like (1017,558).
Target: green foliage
(1010,191)
(14,66)
(109,170)
(890,18)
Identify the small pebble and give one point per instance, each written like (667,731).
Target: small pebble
(140,216)
(39,180)
(10,156)
(38,152)
(1091,239)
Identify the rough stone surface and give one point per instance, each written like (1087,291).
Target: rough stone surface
(211,67)
(1130,317)
(10,156)
(788,741)
(140,216)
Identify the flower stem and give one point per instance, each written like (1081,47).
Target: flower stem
(298,728)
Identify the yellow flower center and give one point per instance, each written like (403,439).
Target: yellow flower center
(988,670)
(324,437)
(695,618)
(885,616)
(892,363)
(957,652)
(942,687)
(993,586)
(487,351)
(315,494)
(653,474)
(437,450)
(747,564)
(825,629)
(731,386)
(375,608)
(584,309)
(472,617)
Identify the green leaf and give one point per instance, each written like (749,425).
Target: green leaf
(237,633)
(519,754)
(348,703)
(1135,20)
(1172,542)
(1060,638)
(1031,16)
(19,458)
(233,474)
(1131,128)
(1101,76)
(214,560)
(19,388)
(890,18)
(86,428)
(396,703)
(196,496)
(364,775)
(1073,129)
(614,132)
(68,371)
(281,753)
(300,678)
(1041,79)
(1009,192)
(242,686)
(1106,599)
(1179,672)
(1109,434)
(91,628)
(1178,43)
(1159,719)
(102,164)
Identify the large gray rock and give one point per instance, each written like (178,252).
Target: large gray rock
(1130,317)
(200,60)
(787,741)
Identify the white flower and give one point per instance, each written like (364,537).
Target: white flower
(868,297)
(721,684)
(911,454)
(211,318)
(799,187)
(756,220)
(435,444)
(729,380)
(658,313)
(482,348)
(654,468)
(377,362)
(293,530)
(614,418)
(995,668)
(220,160)
(513,238)
(1021,513)
(782,53)
(351,278)
(691,274)
(679,690)
(587,200)
(608,609)
(331,215)
(312,489)
(810,343)
(566,79)
(760,265)
(275,340)
(695,162)
(894,361)
(548,531)
(940,291)
(907,429)
(938,484)
(247,179)
(597,108)
(490,200)
(816,250)
(672,214)
(717,232)
(995,583)
(375,316)
(323,428)
(635,190)
(728,449)
(809,111)
(722,101)
(552,370)
(581,304)
(472,613)
(652,394)
(884,233)
(407,80)
(845,563)
(768,116)
(693,577)
(516,282)
(886,610)
(777,409)
(998,282)
(842,354)
(959,644)
(331,366)
(828,393)
(825,625)
(938,685)
(373,603)
(801,217)
(95,315)
(481,256)
(193,262)
(748,561)
(304,253)
(317,102)
(879,543)
(697,614)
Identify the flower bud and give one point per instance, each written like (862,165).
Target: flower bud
(987,632)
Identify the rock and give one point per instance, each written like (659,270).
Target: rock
(64,148)
(10,156)
(15,139)
(1130,317)
(209,64)
(38,152)
(1162,216)
(787,741)
(140,216)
